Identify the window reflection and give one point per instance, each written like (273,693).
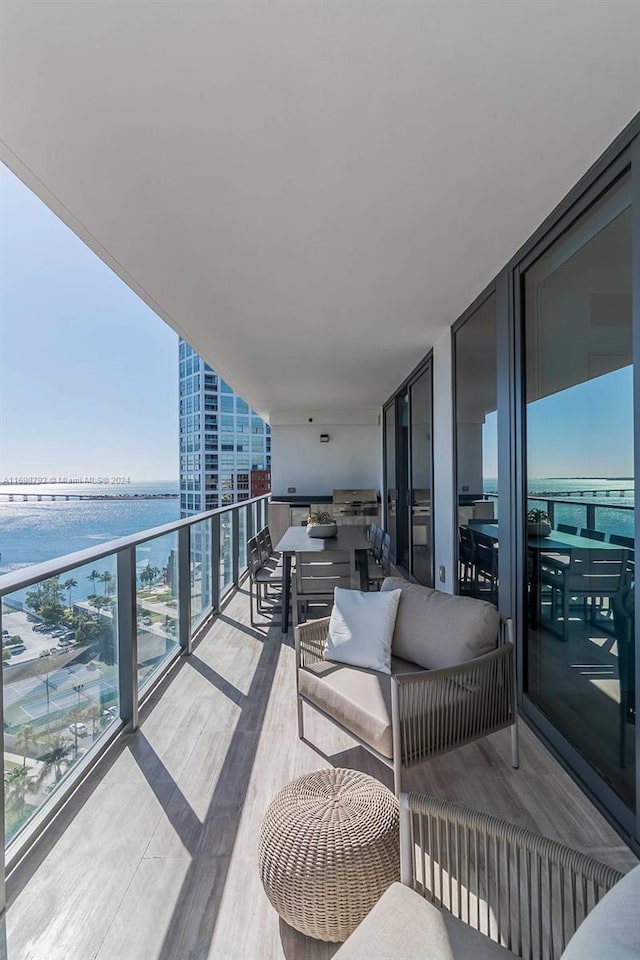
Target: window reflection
(579,436)
(476,453)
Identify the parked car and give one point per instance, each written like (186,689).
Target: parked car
(79,729)
(18,648)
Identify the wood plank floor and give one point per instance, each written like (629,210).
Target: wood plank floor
(156,856)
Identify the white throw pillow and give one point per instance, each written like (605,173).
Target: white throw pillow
(361,628)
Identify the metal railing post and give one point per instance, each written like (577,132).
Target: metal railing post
(127,637)
(551,512)
(235,536)
(250,531)
(184,588)
(215,561)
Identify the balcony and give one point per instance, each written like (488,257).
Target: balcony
(362,220)
(153,854)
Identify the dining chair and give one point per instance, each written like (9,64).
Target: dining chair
(592,534)
(315,577)
(371,535)
(379,569)
(630,544)
(377,543)
(567,528)
(623,605)
(590,576)
(486,567)
(261,576)
(466,558)
(621,541)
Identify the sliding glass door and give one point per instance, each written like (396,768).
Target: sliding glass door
(409,475)
(420,494)
(476,423)
(579,544)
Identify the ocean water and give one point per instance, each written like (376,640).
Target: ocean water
(614,512)
(34,531)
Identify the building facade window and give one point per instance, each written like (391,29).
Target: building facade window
(207,403)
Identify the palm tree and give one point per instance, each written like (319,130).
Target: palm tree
(93,576)
(99,602)
(54,759)
(107,579)
(69,585)
(91,714)
(25,737)
(18,782)
(44,668)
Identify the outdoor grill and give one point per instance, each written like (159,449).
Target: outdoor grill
(355,503)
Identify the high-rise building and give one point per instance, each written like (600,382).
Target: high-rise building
(222,440)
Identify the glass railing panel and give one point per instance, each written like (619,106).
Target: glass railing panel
(226,551)
(201,581)
(617,520)
(242,538)
(157,613)
(572,514)
(60,682)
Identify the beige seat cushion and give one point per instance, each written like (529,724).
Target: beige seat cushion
(404,926)
(612,929)
(359,699)
(435,629)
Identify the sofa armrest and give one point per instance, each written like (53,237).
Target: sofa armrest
(524,890)
(310,640)
(436,710)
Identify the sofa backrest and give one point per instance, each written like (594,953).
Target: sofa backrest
(436,630)
(611,929)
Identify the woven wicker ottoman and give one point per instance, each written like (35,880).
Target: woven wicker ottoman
(329,848)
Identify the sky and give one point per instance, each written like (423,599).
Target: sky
(584,431)
(88,372)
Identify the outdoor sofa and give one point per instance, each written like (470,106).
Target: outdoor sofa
(451,681)
(478,888)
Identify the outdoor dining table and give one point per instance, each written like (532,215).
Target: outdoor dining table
(556,542)
(351,539)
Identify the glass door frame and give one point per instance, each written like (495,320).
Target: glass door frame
(425,365)
(488,292)
(511,291)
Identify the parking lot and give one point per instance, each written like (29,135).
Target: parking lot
(17,623)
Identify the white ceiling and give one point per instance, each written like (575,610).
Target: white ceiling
(310,191)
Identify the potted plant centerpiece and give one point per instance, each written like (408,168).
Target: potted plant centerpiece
(538,523)
(321,524)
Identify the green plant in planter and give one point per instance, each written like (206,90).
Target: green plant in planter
(538,516)
(320,516)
